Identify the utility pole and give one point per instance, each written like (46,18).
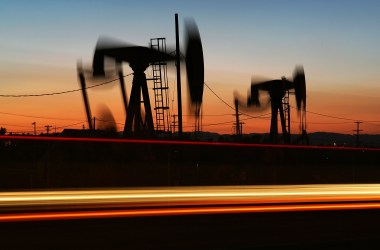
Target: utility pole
(358,130)
(48,129)
(238,124)
(178,65)
(238,129)
(34,128)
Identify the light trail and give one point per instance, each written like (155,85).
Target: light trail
(87,204)
(254,193)
(167,142)
(181,211)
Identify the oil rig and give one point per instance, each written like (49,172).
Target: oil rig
(144,121)
(279,91)
(139,116)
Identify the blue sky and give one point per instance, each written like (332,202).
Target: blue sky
(245,32)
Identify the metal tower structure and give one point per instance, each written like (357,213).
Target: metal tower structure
(160,87)
(286,108)
(303,139)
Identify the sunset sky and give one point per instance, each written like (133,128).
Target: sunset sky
(336,41)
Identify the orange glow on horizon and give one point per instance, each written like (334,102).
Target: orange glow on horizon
(217,117)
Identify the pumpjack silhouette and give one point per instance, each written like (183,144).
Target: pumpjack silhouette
(276,90)
(139,123)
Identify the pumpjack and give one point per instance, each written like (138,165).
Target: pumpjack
(139,122)
(276,90)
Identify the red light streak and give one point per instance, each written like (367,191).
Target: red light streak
(73,215)
(166,142)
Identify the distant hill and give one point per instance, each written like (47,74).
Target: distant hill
(317,138)
(325,138)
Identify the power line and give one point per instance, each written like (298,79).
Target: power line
(68,119)
(325,123)
(50,118)
(262,116)
(373,124)
(329,116)
(42,129)
(39,117)
(219,97)
(337,117)
(231,122)
(307,111)
(25,131)
(13,125)
(211,115)
(349,120)
(73,124)
(109,121)
(63,92)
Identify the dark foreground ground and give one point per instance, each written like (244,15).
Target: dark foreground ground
(28,164)
(302,230)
